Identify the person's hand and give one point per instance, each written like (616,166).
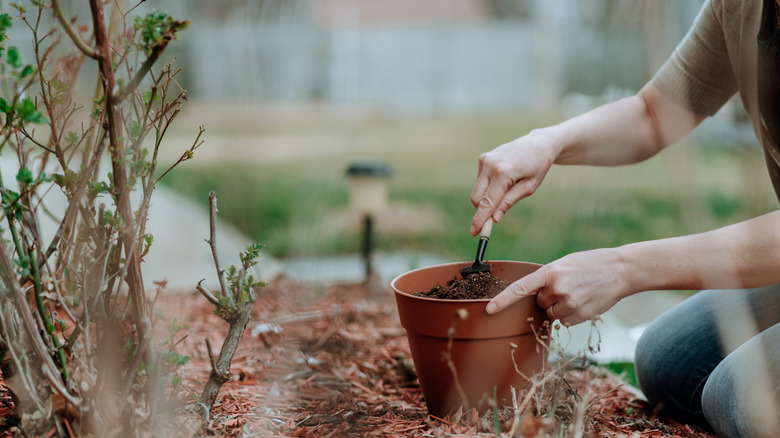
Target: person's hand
(508,174)
(572,289)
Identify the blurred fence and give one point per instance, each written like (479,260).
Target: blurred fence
(562,46)
(410,57)
(437,67)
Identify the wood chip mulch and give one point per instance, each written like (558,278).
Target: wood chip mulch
(333,361)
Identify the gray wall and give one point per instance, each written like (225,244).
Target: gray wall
(561,46)
(531,56)
(420,67)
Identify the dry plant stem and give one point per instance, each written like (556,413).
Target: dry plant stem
(46,319)
(77,41)
(516,415)
(133,275)
(56,134)
(163,120)
(206,293)
(46,324)
(22,370)
(48,367)
(527,399)
(212,360)
(74,204)
(448,357)
(222,373)
(213,243)
(147,65)
(238,320)
(596,399)
(187,154)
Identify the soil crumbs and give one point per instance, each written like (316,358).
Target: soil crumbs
(333,361)
(479,285)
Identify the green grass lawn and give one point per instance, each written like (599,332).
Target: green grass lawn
(296,202)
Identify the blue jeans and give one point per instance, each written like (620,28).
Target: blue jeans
(714,360)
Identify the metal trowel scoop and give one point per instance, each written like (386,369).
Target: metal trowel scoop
(478,265)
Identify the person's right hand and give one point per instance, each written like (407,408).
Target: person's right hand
(508,174)
(575,288)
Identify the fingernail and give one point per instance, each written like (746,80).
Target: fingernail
(491,307)
(498,215)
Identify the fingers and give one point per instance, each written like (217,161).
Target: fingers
(480,200)
(487,207)
(479,219)
(524,287)
(480,184)
(552,313)
(559,311)
(505,175)
(556,306)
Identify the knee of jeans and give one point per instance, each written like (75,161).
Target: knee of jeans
(648,348)
(718,403)
(652,355)
(740,398)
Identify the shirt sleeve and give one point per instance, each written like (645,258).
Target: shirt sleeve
(698,74)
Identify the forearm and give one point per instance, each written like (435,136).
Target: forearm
(622,132)
(742,255)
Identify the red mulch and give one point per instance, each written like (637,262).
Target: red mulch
(340,366)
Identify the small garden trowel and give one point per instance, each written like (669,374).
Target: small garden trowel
(478,265)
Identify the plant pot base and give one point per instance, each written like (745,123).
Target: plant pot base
(484,371)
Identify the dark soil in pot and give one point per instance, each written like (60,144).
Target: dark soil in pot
(479,285)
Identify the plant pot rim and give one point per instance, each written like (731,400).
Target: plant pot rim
(434,316)
(459,266)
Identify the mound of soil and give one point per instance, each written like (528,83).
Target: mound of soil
(479,285)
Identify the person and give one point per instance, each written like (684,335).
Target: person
(713,359)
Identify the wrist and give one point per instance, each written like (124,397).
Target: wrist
(550,140)
(633,270)
(562,141)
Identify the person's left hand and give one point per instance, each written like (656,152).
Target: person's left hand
(572,289)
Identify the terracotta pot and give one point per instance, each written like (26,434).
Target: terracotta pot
(480,350)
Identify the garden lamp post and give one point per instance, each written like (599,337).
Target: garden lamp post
(368,197)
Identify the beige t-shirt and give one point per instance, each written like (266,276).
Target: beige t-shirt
(717,58)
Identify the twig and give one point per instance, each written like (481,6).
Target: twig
(47,364)
(206,410)
(46,319)
(516,419)
(213,243)
(209,296)
(133,8)
(131,374)
(211,356)
(512,349)
(587,408)
(460,314)
(186,155)
(122,195)
(24,374)
(236,312)
(152,58)
(80,44)
(179,341)
(531,392)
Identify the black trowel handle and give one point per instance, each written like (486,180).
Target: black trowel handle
(484,236)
